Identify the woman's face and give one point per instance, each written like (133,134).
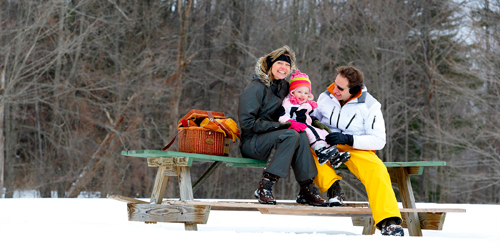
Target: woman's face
(280,69)
(341,90)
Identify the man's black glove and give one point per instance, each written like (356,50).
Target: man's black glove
(284,125)
(339,138)
(318,124)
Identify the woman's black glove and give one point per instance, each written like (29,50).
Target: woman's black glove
(318,124)
(339,138)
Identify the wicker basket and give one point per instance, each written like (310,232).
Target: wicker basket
(201,140)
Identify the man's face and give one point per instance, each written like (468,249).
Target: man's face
(341,91)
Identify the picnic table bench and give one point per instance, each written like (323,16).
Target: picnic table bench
(191,212)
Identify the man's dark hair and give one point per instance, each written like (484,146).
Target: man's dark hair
(354,75)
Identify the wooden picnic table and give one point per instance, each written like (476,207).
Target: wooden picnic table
(191,212)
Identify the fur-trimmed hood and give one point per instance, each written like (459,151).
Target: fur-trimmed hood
(262,69)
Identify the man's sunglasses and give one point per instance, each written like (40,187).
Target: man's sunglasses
(341,89)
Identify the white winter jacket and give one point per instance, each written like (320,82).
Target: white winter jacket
(360,117)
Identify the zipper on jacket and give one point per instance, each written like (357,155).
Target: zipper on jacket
(332,115)
(373,124)
(338,118)
(350,121)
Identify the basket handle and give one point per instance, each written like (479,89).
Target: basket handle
(210,116)
(171,142)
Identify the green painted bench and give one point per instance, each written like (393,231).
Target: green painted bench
(191,212)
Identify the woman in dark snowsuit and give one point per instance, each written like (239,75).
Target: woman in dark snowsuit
(264,138)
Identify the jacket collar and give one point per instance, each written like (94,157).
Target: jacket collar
(360,97)
(262,76)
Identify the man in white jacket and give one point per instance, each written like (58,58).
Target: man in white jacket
(357,124)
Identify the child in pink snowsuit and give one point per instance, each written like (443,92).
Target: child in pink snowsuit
(296,107)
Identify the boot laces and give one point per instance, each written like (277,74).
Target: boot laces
(315,191)
(336,191)
(267,186)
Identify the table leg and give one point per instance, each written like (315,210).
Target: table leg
(159,186)
(185,186)
(408,200)
(369,227)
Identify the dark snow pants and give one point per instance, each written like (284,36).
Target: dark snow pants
(282,149)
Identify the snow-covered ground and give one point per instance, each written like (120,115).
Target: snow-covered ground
(92,224)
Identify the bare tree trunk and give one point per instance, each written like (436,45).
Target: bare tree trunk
(96,161)
(177,85)
(2,138)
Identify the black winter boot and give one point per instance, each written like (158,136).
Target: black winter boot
(391,227)
(324,154)
(264,193)
(340,159)
(309,194)
(335,195)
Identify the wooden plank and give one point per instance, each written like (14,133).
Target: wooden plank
(194,157)
(159,185)
(305,211)
(361,209)
(428,221)
(415,166)
(432,210)
(255,205)
(168,213)
(368,225)
(232,208)
(415,170)
(172,211)
(168,163)
(235,160)
(408,201)
(126,199)
(186,190)
(410,170)
(183,161)
(244,208)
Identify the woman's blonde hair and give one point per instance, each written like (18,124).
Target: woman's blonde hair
(285,50)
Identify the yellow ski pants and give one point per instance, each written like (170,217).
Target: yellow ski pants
(372,172)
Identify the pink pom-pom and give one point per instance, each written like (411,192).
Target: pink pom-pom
(297,73)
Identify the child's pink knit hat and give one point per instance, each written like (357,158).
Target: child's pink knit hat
(299,79)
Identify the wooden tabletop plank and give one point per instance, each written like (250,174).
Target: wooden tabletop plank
(196,157)
(247,162)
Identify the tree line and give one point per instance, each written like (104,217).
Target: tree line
(82,80)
